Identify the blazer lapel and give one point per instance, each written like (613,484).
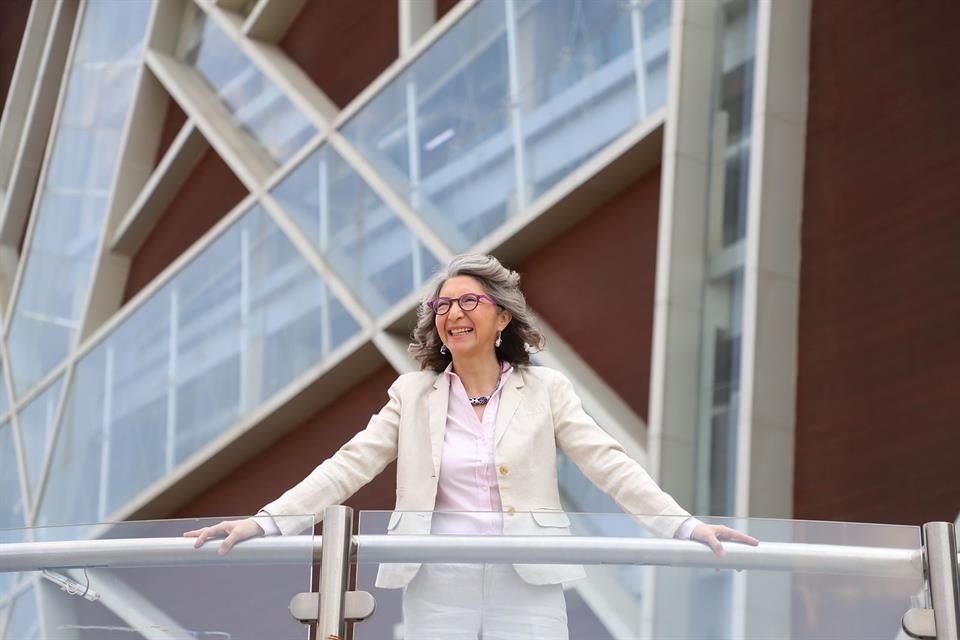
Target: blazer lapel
(510,397)
(438,417)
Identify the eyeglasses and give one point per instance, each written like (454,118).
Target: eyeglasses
(467,302)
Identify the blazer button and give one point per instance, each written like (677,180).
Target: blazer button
(504,469)
(510,509)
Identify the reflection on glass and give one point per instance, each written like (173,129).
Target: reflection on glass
(36,426)
(607,603)
(12,512)
(73,197)
(239,601)
(368,246)
(4,404)
(257,105)
(24,621)
(512,99)
(237,324)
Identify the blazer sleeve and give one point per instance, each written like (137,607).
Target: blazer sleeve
(603,460)
(357,462)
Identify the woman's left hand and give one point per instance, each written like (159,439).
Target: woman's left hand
(712,534)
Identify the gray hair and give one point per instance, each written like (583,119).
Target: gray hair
(503,285)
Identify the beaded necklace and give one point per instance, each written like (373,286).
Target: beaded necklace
(479,401)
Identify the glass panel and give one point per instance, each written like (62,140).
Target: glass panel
(4,404)
(579,64)
(824,599)
(368,246)
(12,512)
(36,426)
(257,105)
(512,99)
(74,195)
(205,597)
(25,619)
(237,324)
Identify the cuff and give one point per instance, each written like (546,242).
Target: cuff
(685,530)
(267,523)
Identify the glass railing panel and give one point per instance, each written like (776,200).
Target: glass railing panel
(831,579)
(161,587)
(24,622)
(36,427)
(12,511)
(237,324)
(73,198)
(4,403)
(257,105)
(365,242)
(512,99)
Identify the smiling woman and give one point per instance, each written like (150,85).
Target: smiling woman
(474,458)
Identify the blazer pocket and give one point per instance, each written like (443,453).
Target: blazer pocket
(551,519)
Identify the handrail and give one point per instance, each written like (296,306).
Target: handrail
(772,556)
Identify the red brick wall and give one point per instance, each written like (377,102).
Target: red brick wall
(13,20)
(878,420)
(443,6)
(294,456)
(209,193)
(344,44)
(594,285)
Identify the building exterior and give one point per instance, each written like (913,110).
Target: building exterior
(736,220)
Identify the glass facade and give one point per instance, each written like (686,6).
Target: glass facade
(535,89)
(235,325)
(76,190)
(515,97)
(257,105)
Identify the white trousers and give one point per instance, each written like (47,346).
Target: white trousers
(486,602)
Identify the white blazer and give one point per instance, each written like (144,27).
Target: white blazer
(539,411)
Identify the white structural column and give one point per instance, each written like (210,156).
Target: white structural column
(269,19)
(680,281)
(771,299)
(681,264)
(416,17)
(138,150)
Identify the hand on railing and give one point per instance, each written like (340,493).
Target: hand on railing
(233,531)
(712,534)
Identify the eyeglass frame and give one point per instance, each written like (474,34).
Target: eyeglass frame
(431,303)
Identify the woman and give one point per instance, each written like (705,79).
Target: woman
(476,430)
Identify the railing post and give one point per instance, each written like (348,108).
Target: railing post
(940,543)
(334,572)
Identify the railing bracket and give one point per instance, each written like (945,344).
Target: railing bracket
(920,623)
(357,606)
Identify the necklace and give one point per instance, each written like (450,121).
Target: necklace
(479,401)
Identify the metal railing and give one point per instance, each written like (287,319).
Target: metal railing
(935,563)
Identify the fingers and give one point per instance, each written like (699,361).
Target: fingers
(204,534)
(713,542)
(726,533)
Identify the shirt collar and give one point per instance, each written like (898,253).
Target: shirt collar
(505,370)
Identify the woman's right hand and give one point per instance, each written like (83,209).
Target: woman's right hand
(233,531)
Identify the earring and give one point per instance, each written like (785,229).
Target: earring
(443,349)
(499,340)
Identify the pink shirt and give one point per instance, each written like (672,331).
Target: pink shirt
(468,477)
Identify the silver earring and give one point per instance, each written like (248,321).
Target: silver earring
(443,349)
(499,339)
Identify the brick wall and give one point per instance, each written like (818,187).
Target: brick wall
(878,421)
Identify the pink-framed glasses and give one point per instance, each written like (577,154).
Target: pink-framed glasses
(468,302)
